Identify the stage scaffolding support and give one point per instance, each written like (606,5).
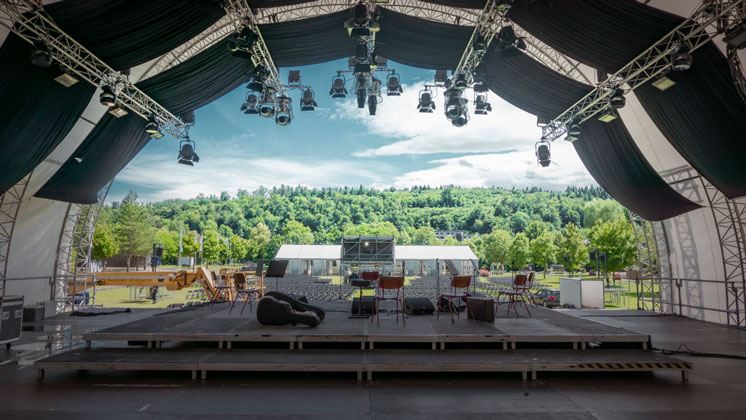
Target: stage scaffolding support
(649,258)
(10,204)
(72,266)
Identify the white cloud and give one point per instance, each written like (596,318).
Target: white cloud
(420,133)
(514,169)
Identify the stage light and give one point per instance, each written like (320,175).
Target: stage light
(250,106)
(541,122)
(294,77)
(188,118)
(360,15)
(284,113)
(608,115)
(41,54)
(456,110)
(426,104)
(663,82)
(736,37)
(573,132)
(66,79)
(617,99)
(187,154)
(460,81)
(267,104)
(118,111)
(338,89)
(543,153)
(393,87)
(481,106)
(255,86)
(246,38)
(307,101)
(479,45)
(152,127)
(681,59)
(108,97)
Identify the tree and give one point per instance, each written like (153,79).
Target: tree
(616,239)
(424,235)
(375,228)
(543,250)
(535,229)
(451,241)
(239,248)
(296,233)
(133,230)
(170,243)
(211,246)
(604,210)
(104,243)
(519,251)
(572,249)
(519,221)
(497,246)
(259,241)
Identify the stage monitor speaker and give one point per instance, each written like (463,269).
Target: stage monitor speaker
(418,306)
(481,309)
(368,306)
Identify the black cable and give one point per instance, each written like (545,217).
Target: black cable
(686,350)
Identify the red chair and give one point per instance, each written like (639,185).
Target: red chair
(390,283)
(370,275)
(517,293)
(457,282)
(249,294)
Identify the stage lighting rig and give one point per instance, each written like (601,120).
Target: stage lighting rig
(393,85)
(338,89)
(481,106)
(284,112)
(508,42)
(455,107)
(108,96)
(681,59)
(153,128)
(426,104)
(41,54)
(249,107)
(543,153)
(187,153)
(267,103)
(307,101)
(241,42)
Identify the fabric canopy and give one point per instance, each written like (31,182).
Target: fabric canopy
(703,116)
(607,150)
(114,142)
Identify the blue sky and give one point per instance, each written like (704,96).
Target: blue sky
(339,144)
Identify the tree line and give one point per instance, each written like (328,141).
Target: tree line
(510,226)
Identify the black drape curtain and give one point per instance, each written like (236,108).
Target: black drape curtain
(420,43)
(703,116)
(114,142)
(35,111)
(607,150)
(464,4)
(125,33)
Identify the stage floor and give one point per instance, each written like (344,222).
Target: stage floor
(552,328)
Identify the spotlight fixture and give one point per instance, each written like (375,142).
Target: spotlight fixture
(187,154)
(456,110)
(573,132)
(460,81)
(41,54)
(152,127)
(255,86)
(241,43)
(250,106)
(284,113)
(393,87)
(608,115)
(479,45)
(543,153)
(681,59)
(663,82)
(66,79)
(736,37)
(307,102)
(108,97)
(267,104)
(541,122)
(481,106)
(118,111)
(617,99)
(426,104)
(338,89)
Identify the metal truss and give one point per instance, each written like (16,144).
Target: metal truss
(711,18)
(490,21)
(10,203)
(736,70)
(648,254)
(29,21)
(72,266)
(729,217)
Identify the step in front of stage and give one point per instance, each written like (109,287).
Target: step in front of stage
(198,362)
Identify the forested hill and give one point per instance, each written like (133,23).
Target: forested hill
(328,212)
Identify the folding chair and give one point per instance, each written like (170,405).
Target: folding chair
(518,292)
(218,291)
(390,283)
(242,289)
(457,282)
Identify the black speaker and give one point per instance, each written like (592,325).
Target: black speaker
(368,306)
(418,306)
(481,309)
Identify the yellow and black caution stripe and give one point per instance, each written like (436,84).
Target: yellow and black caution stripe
(660,365)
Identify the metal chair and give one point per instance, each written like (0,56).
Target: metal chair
(242,289)
(518,292)
(217,290)
(457,282)
(390,283)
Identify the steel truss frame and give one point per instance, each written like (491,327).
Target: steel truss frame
(489,22)
(649,296)
(29,21)
(74,250)
(708,20)
(10,204)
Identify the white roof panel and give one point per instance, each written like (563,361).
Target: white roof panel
(401,252)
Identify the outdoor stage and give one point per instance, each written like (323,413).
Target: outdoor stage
(206,339)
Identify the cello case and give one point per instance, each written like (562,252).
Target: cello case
(270,311)
(297,304)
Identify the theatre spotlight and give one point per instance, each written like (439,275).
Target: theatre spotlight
(681,59)
(187,155)
(360,15)
(663,82)
(736,37)
(250,106)
(153,128)
(393,87)
(481,106)
(608,115)
(267,104)
(460,81)
(41,54)
(108,97)
(617,99)
(338,89)
(479,45)
(543,153)
(573,131)
(541,122)
(255,86)
(66,78)
(426,104)
(307,102)
(456,110)
(118,111)
(284,113)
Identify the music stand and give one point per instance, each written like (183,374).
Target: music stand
(277,269)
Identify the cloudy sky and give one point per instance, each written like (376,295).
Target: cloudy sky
(339,144)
